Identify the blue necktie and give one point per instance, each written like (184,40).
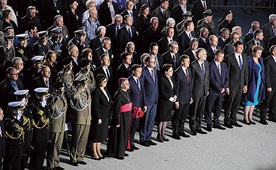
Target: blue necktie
(129,32)
(14,85)
(203,69)
(139,85)
(240,61)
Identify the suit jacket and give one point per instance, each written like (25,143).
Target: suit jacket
(270,72)
(210,53)
(167,58)
(183,86)
(97,54)
(237,78)
(176,13)
(184,41)
(137,95)
(163,44)
(202,43)
(200,81)
(150,36)
(95,43)
(190,53)
(110,82)
(268,32)
(161,16)
(104,13)
(250,44)
(135,21)
(122,71)
(217,80)
(248,37)
(112,34)
(124,37)
(228,48)
(198,10)
(39,82)
(151,87)
(222,43)
(151,3)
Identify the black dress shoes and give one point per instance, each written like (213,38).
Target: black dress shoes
(82,162)
(183,134)
(134,147)
(74,163)
(126,154)
(209,128)
(59,168)
(219,127)
(228,125)
(194,133)
(130,149)
(264,122)
(151,143)
(236,124)
(120,157)
(176,136)
(145,143)
(201,131)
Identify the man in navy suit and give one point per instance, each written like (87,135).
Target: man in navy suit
(164,42)
(104,49)
(137,96)
(107,11)
(151,95)
(200,72)
(223,39)
(124,69)
(212,48)
(153,51)
(186,36)
(183,90)
(219,81)
(129,11)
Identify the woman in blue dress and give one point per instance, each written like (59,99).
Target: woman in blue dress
(256,83)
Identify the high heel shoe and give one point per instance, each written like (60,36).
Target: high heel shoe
(252,122)
(245,122)
(165,139)
(96,157)
(160,139)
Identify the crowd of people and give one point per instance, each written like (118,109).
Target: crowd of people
(103,70)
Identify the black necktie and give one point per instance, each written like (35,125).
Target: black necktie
(129,32)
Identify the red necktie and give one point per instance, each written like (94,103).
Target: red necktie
(204,6)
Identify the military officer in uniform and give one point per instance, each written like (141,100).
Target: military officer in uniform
(180,26)
(79,40)
(14,133)
(58,107)
(81,119)
(41,114)
(23,95)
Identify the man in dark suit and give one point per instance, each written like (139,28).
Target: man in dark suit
(7,87)
(137,96)
(186,36)
(203,38)
(97,41)
(223,39)
(213,41)
(164,42)
(229,48)
(134,15)
(199,7)
(152,34)
(59,22)
(124,69)
(162,13)
(270,79)
(153,51)
(238,80)
(73,52)
(151,3)
(219,81)
(200,72)
(178,11)
(45,80)
(112,32)
(126,33)
(270,28)
(105,48)
(30,16)
(256,40)
(107,71)
(151,95)
(172,56)
(255,25)
(107,11)
(183,89)
(191,52)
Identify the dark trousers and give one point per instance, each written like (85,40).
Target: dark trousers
(269,103)
(147,123)
(213,101)
(38,155)
(133,128)
(26,154)
(13,155)
(179,118)
(232,106)
(196,112)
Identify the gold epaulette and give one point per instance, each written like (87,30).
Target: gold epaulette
(18,128)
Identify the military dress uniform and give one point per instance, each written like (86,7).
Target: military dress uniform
(81,119)
(41,114)
(88,75)
(58,107)
(14,134)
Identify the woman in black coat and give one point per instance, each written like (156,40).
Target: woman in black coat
(101,102)
(166,100)
(120,121)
